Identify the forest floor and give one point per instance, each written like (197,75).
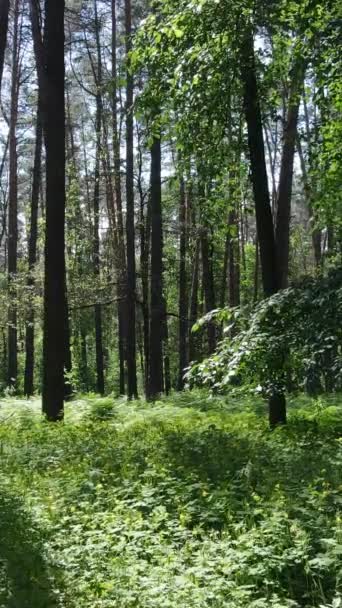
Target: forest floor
(188,503)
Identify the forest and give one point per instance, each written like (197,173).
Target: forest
(170,304)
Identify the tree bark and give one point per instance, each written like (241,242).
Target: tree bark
(193,338)
(208,287)
(183,295)
(100,386)
(132,389)
(155,384)
(264,221)
(233,262)
(32,256)
(258,168)
(286,174)
(53,71)
(12,348)
(118,199)
(4,11)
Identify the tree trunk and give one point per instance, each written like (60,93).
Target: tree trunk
(208,287)
(286,175)
(118,199)
(155,383)
(96,243)
(132,389)
(54,285)
(12,349)
(193,338)
(258,168)
(32,256)
(4,10)
(316,233)
(183,295)
(264,221)
(233,262)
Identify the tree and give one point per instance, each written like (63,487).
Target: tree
(132,389)
(4,10)
(157,306)
(13,203)
(52,94)
(32,255)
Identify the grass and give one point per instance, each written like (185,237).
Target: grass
(191,502)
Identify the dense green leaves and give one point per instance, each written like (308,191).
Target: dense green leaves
(187,503)
(291,341)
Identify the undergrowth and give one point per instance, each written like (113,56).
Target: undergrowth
(188,503)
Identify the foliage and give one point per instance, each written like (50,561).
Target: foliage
(290,341)
(191,502)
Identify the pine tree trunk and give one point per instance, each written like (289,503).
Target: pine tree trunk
(208,287)
(118,199)
(258,168)
(132,389)
(183,295)
(233,262)
(264,221)
(155,383)
(4,11)
(286,175)
(54,292)
(32,256)
(96,250)
(12,348)
(193,338)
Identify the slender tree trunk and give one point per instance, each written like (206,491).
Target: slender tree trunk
(155,384)
(256,272)
(96,243)
(4,11)
(32,256)
(208,286)
(277,403)
(193,338)
(286,175)
(316,233)
(54,292)
(183,295)
(145,236)
(258,168)
(233,261)
(118,199)
(132,389)
(12,349)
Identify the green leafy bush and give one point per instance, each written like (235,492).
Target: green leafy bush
(189,503)
(291,341)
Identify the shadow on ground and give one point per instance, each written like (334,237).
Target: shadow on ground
(25,579)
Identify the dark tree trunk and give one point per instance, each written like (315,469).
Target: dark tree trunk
(132,389)
(155,383)
(258,168)
(193,338)
(277,410)
(118,199)
(264,221)
(208,287)
(145,235)
(4,10)
(183,295)
(32,256)
(233,261)
(12,348)
(96,247)
(286,175)
(54,286)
